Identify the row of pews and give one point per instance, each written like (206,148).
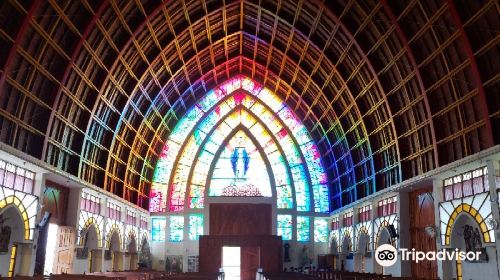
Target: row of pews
(125,275)
(329,275)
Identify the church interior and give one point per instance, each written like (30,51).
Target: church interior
(249,139)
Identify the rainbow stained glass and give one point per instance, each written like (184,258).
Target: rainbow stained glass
(320,230)
(280,122)
(213,143)
(285,226)
(176,228)
(158,226)
(195,226)
(157,201)
(303,228)
(240,170)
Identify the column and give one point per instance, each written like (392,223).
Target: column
(444,270)
(403,212)
(493,172)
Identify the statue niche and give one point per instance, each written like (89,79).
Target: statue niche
(83,253)
(145,259)
(473,243)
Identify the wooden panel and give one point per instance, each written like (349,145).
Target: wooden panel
(240,219)
(269,247)
(421,216)
(64,251)
(250,262)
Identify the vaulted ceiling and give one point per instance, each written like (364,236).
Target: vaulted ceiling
(388,89)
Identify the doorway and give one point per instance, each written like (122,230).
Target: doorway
(50,248)
(231,262)
(250,262)
(421,216)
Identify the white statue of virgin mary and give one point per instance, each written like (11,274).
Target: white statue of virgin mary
(240,159)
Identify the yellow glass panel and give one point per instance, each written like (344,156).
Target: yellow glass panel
(486,237)
(12,262)
(483,227)
(473,212)
(9,199)
(2,204)
(17,202)
(459,269)
(448,230)
(447,240)
(466,208)
(454,216)
(479,219)
(459,208)
(25,216)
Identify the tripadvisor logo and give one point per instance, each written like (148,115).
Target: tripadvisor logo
(387,255)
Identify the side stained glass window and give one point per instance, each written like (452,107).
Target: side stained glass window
(303,232)
(195,226)
(176,228)
(158,229)
(285,226)
(320,230)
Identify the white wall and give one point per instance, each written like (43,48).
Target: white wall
(485,270)
(126,262)
(158,252)
(313,248)
(80,266)
(349,264)
(161,250)
(107,265)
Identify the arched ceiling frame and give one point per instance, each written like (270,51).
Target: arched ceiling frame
(439,103)
(365,172)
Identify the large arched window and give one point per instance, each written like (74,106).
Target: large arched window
(240,139)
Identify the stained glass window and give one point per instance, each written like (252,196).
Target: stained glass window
(320,230)
(90,203)
(144,222)
(17,178)
(195,226)
(176,228)
(27,205)
(303,231)
(273,154)
(294,158)
(158,229)
(285,226)
(240,170)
